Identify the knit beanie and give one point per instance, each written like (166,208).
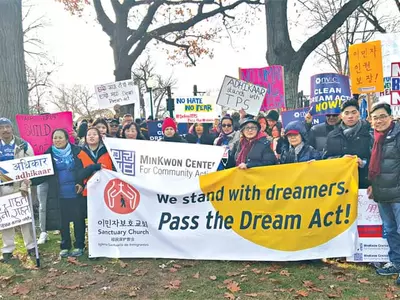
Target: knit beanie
(168,122)
(272,115)
(5,121)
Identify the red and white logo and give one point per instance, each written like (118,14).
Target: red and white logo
(120,197)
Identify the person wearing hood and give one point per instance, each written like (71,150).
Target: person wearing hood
(298,149)
(272,119)
(253,149)
(227,138)
(351,138)
(169,130)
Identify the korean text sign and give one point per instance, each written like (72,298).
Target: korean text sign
(37,130)
(120,92)
(238,94)
(293,217)
(272,78)
(327,93)
(195,109)
(366,70)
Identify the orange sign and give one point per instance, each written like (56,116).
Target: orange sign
(366,71)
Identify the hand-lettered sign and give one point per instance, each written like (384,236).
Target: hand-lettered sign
(120,92)
(37,130)
(366,70)
(272,78)
(195,109)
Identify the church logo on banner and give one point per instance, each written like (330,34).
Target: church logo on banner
(121,197)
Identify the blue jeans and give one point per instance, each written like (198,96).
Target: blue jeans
(390,214)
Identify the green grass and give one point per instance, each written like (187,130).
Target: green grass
(183,279)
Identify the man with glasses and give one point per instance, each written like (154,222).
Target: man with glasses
(384,173)
(318,134)
(351,138)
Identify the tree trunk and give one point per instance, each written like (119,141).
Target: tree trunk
(13,84)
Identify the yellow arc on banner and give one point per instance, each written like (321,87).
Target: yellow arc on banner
(287,207)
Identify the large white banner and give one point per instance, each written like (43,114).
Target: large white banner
(163,161)
(371,246)
(25,168)
(14,211)
(226,215)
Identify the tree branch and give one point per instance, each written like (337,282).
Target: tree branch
(372,19)
(106,24)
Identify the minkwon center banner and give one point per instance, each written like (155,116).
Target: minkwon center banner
(228,215)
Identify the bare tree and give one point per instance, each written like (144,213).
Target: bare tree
(79,100)
(142,74)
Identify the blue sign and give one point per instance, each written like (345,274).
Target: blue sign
(183,128)
(155,130)
(327,93)
(299,115)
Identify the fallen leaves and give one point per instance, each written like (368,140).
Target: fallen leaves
(69,287)
(363,280)
(213,277)
(173,270)
(232,274)
(302,293)
(173,285)
(284,273)
(99,269)
(74,261)
(229,296)
(122,264)
(252,295)
(139,272)
(197,275)
(233,287)
(331,296)
(20,290)
(321,277)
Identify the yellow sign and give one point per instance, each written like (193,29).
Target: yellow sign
(366,70)
(287,207)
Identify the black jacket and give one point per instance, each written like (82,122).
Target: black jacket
(337,145)
(307,153)
(53,214)
(176,138)
(260,154)
(386,186)
(318,135)
(205,139)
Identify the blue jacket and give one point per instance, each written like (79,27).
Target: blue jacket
(307,153)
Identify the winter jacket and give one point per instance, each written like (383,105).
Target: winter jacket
(259,155)
(337,145)
(205,139)
(307,153)
(22,149)
(318,135)
(176,138)
(53,213)
(386,186)
(228,142)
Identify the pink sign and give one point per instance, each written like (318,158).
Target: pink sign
(271,78)
(37,129)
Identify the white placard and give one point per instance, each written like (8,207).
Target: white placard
(238,94)
(14,211)
(120,92)
(195,109)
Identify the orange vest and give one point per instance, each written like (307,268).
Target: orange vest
(86,160)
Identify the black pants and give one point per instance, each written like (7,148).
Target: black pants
(72,211)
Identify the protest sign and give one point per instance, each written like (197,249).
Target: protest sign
(155,130)
(371,246)
(366,71)
(238,94)
(328,91)
(195,109)
(37,130)
(25,168)
(299,115)
(14,211)
(272,78)
(183,128)
(290,217)
(164,161)
(390,50)
(120,92)
(395,84)
(387,84)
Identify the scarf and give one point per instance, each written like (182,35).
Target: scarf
(63,155)
(245,147)
(376,154)
(350,132)
(224,139)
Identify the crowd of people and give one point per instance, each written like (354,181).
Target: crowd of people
(249,141)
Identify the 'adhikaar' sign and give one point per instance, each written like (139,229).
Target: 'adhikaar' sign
(120,92)
(238,94)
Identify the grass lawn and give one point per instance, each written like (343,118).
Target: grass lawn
(184,279)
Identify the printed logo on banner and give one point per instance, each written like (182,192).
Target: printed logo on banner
(121,197)
(125,160)
(3,176)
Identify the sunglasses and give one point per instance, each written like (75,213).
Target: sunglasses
(226,125)
(332,116)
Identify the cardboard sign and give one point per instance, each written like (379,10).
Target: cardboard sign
(120,92)
(327,93)
(366,70)
(272,78)
(237,94)
(37,130)
(25,168)
(14,211)
(195,109)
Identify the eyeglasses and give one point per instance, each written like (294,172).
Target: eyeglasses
(381,117)
(332,116)
(114,125)
(250,128)
(226,125)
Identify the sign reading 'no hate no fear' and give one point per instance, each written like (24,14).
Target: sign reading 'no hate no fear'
(294,217)
(195,109)
(238,94)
